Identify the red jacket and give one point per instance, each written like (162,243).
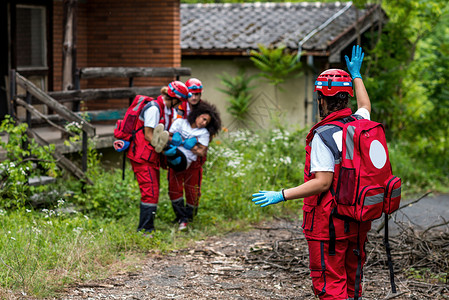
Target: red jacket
(141,150)
(318,220)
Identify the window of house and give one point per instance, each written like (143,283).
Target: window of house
(31,37)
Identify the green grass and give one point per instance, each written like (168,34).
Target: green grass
(43,251)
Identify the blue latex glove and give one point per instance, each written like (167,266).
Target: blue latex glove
(356,62)
(176,139)
(175,161)
(190,143)
(267,198)
(170,151)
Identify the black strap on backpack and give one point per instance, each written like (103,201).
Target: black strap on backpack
(388,250)
(358,273)
(124,165)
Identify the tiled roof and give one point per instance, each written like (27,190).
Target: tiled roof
(245,25)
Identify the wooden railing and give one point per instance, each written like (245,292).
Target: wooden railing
(54,100)
(33,91)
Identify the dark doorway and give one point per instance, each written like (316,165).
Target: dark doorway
(4,61)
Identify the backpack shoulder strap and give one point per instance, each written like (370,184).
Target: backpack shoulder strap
(149,104)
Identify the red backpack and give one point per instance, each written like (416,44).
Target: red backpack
(366,186)
(125,128)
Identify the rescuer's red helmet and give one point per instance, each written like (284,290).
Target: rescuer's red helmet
(194,85)
(177,89)
(333,81)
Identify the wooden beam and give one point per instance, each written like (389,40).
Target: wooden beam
(118,72)
(105,115)
(102,94)
(42,116)
(61,160)
(53,104)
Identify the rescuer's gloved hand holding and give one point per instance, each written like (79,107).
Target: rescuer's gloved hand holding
(170,151)
(175,161)
(356,62)
(176,139)
(190,143)
(267,198)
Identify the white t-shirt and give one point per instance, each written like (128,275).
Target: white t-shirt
(321,158)
(152,116)
(183,127)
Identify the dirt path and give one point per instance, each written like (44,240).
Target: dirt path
(268,262)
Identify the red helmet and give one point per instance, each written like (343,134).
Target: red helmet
(177,89)
(333,81)
(194,85)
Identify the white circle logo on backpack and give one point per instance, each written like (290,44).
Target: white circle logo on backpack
(377,154)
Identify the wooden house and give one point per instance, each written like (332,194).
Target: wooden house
(47,41)
(218,39)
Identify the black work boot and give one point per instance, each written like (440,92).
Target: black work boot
(147,215)
(179,209)
(191,212)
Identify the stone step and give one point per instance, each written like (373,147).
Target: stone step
(41,180)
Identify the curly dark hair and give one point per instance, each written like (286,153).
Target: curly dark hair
(336,102)
(204,107)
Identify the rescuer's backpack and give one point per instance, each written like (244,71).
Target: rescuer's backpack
(125,128)
(366,186)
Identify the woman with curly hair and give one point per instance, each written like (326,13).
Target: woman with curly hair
(189,141)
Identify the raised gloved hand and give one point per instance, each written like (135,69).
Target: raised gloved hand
(120,145)
(170,151)
(356,62)
(175,161)
(267,198)
(176,139)
(190,143)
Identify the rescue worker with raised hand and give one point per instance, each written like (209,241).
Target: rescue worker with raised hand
(336,246)
(150,139)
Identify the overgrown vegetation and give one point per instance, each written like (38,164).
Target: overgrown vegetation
(276,65)
(90,235)
(238,89)
(24,159)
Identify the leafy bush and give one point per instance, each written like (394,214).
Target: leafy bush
(238,90)
(275,64)
(24,159)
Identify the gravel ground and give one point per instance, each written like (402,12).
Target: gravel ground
(243,266)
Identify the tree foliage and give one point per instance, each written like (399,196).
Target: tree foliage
(275,64)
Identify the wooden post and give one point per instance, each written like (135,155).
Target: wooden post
(84,159)
(69,46)
(131,83)
(28,113)
(77,87)
(12,93)
(25,143)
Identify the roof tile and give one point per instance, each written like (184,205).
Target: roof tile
(245,25)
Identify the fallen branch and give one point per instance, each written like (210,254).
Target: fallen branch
(381,225)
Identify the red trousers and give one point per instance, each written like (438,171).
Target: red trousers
(147,175)
(333,276)
(188,180)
